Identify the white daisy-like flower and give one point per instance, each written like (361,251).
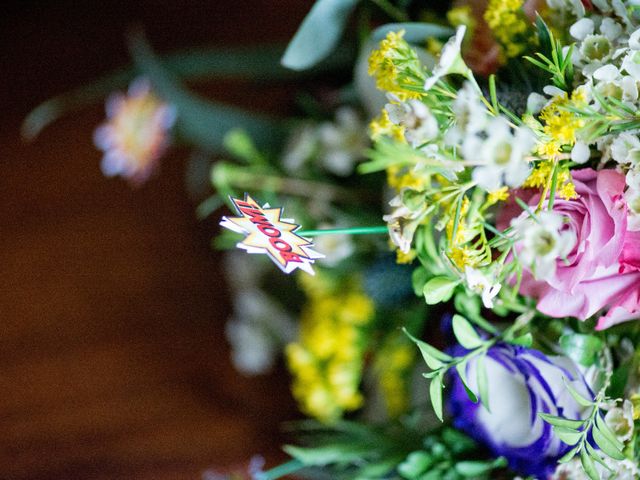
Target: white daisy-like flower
(501,156)
(542,241)
(620,421)
(482,284)
(625,149)
(470,114)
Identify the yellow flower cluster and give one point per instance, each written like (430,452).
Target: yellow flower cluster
(499,195)
(326,361)
(541,176)
(560,125)
(393,365)
(461,233)
(388,64)
(381,125)
(509,25)
(400,177)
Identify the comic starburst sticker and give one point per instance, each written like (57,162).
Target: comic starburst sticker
(266,232)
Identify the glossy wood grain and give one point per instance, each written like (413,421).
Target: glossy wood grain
(113,362)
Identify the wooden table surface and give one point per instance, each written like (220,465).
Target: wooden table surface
(113,361)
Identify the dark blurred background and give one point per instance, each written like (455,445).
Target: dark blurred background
(113,362)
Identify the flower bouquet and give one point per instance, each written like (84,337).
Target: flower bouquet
(471,257)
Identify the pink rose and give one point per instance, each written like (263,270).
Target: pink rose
(603,268)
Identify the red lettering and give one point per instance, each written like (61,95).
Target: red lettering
(290,257)
(268,230)
(280,245)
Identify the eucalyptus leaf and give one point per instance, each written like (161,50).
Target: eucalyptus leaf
(570,454)
(419,277)
(607,432)
(415,464)
(576,395)
(439,289)
(200,121)
(475,468)
(414,32)
(318,34)
(465,333)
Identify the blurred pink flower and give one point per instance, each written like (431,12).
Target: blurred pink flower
(603,268)
(136,133)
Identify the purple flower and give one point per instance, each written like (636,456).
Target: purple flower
(521,383)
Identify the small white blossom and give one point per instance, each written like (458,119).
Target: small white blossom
(625,149)
(582,28)
(632,197)
(620,421)
(419,123)
(543,241)
(501,156)
(482,284)
(580,152)
(342,142)
(470,115)
(335,247)
(450,60)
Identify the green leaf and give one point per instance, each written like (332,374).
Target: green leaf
(318,34)
(439,289)
(560,421)
(607,432)
(200,121)
(328,454)
(567,435)
(606,445)
(588,465)
(280,471)
(525,340)
(414,32)
(576,395)
(570,454)
(483,381)
(435,393)
(433,357)
(465,333)
(581,348)
(461,368)
(418,278)
(415,464)
(475,468)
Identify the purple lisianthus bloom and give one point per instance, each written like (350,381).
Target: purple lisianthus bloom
(522,383)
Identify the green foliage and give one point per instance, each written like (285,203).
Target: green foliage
(578,434)
(439,289)
(583,349)
(396,451)
(318,34)
(553,60)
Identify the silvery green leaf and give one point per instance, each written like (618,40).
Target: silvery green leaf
(525,340)
(465,333)
(414,32)
(433,357)
(607,432)
(318,34)
(569,455)
(415,464)
(576,395)
(567,435)
(475,468)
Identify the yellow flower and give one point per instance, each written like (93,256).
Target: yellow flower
(509,25)
(405,258)
(499,195)
(393,365)
(383,126)
(327,360)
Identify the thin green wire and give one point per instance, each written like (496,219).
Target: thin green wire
(348,231)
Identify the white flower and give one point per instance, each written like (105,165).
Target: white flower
(536,102)
(470,115)
(335,247)
(580,152)
(256,331)
(410,209)
(631,64)
(632,197)
(625,149)
(634,40)
(301,145)
(501,156)
(542,242)
(342,143)
(420,124)
(482,284)
(582,28)
(450,60)
(620,421)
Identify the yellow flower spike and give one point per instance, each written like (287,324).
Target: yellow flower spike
(499,195)
(509,25)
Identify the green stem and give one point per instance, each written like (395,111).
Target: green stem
(394,12)
(280,471)
(348,231)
